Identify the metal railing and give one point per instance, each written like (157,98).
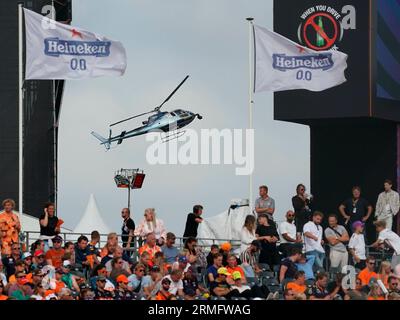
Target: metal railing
(204,243)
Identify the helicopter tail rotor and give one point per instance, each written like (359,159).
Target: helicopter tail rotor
(104,141)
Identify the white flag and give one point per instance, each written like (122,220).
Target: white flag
(58,51)
(281,64)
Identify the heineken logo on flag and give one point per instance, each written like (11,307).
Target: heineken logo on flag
(321,61)
(55,47)
(281,64)
(65,52)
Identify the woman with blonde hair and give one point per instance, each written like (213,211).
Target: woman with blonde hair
(10,227)
(248,233)
(385,270)
(112,243)
(151,224)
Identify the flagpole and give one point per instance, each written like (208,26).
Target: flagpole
(55,125)
(251,102)
(20,112)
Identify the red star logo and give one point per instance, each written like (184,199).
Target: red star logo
(76,33)
(301,49)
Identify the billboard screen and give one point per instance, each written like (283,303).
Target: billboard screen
(346,28)
(388,49)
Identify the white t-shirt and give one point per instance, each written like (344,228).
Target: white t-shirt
(289,228)
(317,231)
(391,238)
(174,286)
(357,243)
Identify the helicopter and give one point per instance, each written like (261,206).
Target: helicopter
(162,121)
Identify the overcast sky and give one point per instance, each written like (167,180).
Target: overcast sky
(165,40)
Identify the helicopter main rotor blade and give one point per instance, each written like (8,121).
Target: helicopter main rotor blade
(130,118)
(172,93)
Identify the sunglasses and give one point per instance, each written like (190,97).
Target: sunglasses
(395,284)
(290,215)
(57,241)
(23,277)
(121,262)
(141,270)
(371,263)
(16,248)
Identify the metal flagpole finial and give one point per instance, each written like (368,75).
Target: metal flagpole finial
(250,19)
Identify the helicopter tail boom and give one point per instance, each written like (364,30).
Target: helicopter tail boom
(106,142)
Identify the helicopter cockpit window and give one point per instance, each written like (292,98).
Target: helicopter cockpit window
(173,114)
(152,118)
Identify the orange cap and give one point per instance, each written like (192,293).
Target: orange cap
(122,278)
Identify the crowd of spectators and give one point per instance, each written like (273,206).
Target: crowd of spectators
(297,259)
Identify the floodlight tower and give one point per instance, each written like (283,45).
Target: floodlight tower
(129,179)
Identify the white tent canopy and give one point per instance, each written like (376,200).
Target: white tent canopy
(226,225)
(91,220)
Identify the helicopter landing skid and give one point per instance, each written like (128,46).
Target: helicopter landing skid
(172,136)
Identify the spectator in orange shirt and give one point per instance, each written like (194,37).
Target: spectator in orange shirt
(19,268)
(10,227)
(369,272)
(151,247)
(55,254)
(232,267)
(299,284)
(2,295)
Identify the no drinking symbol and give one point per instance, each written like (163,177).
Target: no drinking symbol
(317,26)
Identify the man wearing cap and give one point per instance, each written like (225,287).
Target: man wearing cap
(122,291)
(239,289)
(37,277)
(182,264)
(100,292)
(27,257)
(68,278)
(220,287)
(169,250)
(152,281)
(39,260)
(163,293)
(55,254)
(357,245)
